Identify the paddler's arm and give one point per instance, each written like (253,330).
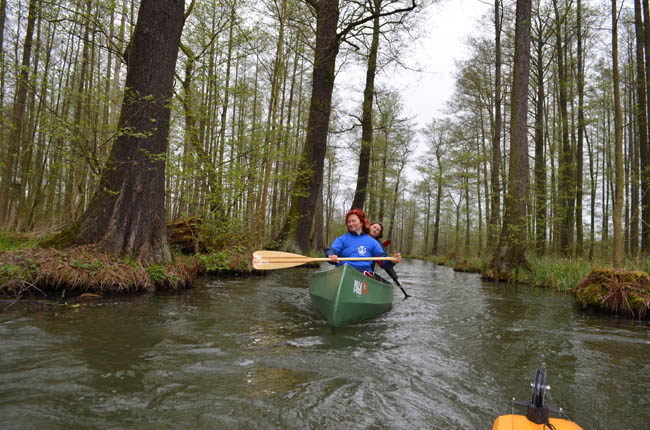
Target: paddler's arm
(331,254)
(393,275)
(396,258)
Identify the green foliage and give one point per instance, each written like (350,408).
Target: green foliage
(233,259)
(11,271)
(224,234)
(157,273)
(216,261)
(13,241)
(558,273)
(22,268)
(93,266)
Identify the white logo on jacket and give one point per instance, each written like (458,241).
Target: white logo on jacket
(362,250)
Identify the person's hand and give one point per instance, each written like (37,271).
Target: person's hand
(397,257)
(333,258)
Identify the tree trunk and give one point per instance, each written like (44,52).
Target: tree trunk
(298,226)
(540,162)
(271,125)
(17,117)
(127,213)
(565,182)
(366,119)
(468,223)
(436,227)
(3,19)
(618,148)
(496,133)
(645,144)
(592,200)
(511,248)
(641,113)
(581,129)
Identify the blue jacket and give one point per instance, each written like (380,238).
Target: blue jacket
(353,245)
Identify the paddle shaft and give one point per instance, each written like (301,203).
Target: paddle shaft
(316,259)
(392,274)
(268,260)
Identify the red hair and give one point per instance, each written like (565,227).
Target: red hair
(365,224)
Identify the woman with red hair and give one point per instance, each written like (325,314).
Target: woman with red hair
(357,243)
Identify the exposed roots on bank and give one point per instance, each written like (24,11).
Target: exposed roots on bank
(83,269)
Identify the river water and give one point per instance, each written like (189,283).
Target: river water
(252,353)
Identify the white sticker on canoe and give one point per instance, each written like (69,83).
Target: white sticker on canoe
(360,287)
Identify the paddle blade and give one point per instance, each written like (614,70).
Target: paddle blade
(385,244)
(269,260)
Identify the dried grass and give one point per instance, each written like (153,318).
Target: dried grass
(83,269)
(618,291)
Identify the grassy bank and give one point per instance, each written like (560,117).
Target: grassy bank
(561,274)
(79,270)
(29,270)
(596,285)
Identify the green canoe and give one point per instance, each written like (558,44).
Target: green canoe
(345,296)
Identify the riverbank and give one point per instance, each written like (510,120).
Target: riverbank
(596,285)
(27,270)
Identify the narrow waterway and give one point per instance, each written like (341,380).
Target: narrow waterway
(252,353)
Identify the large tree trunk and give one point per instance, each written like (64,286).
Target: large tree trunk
(297,229)
(366,119)
(618,145)
(320,107)
(510,250)
(127,213)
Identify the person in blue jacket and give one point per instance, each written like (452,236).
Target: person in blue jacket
(358,243)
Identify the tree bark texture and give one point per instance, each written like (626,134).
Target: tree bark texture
(540,162)
(618,145)
(566,184)
(366,119)
(17,117)
(495,207)
(645,145)
(127,213)
(581,134)
(640,108)
(310,173)
(510,250)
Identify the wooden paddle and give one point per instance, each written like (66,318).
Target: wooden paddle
(269,260)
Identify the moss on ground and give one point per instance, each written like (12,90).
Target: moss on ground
(617,291)
(63,239)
